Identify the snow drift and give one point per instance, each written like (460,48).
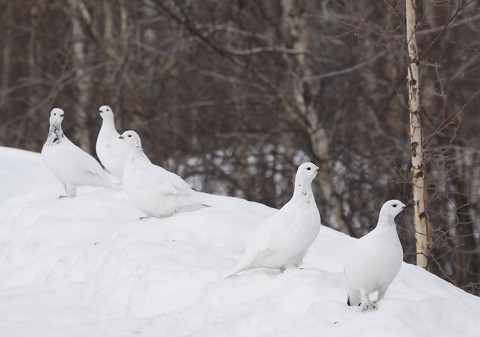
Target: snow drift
(88,266)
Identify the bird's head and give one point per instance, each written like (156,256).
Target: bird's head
(56,116)
(105,112)
(307,172)
(390,209)
(131,138)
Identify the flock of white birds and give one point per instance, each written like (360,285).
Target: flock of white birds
(279,243)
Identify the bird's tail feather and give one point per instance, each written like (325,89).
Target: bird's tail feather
(353,299)
(106,179)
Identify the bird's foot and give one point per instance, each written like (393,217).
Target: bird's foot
(368,305)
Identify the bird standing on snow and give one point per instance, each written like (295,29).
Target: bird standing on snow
(283,239)
(154,190)
(68,163)
(111,150)
(375,259)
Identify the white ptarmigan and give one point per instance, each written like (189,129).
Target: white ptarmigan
(111,150)
(282,240)
(69,164)
(375,259)
(154,190)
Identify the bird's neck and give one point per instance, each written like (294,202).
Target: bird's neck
(55,135)
(303,190)
(137,156)
(108,125)
(387,222)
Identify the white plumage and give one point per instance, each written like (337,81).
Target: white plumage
(69,164)
(154,190)
(375,259)
(111,150)
(283,239)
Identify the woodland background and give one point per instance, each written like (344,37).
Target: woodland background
(234,95)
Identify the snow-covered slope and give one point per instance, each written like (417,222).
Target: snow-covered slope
(88,266)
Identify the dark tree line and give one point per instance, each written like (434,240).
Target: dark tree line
(234,95)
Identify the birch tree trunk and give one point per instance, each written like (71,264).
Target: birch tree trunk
(296,30)
(83,78)
(6,55)
(420,220)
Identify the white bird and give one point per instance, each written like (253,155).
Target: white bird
(69,164)
(375,259)
(282,240)
(111,150)
(154,190)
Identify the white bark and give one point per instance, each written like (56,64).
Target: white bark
(296,30)
(82,105)
(420,220)
(6,55)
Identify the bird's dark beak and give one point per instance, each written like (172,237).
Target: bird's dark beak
(318,169)
(121,137)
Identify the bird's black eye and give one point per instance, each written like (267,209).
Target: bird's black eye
(394,205)
(309,168)
(129,135)
(54,113)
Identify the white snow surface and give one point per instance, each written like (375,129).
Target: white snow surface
(87,266)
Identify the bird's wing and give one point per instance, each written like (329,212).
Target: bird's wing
(160,181)
(252,256)
(362,253)
(85,166)
(111,151)
(374,261)
(276,230)
(270,236)
(182,188)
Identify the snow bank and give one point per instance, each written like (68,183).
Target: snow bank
(89,267)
